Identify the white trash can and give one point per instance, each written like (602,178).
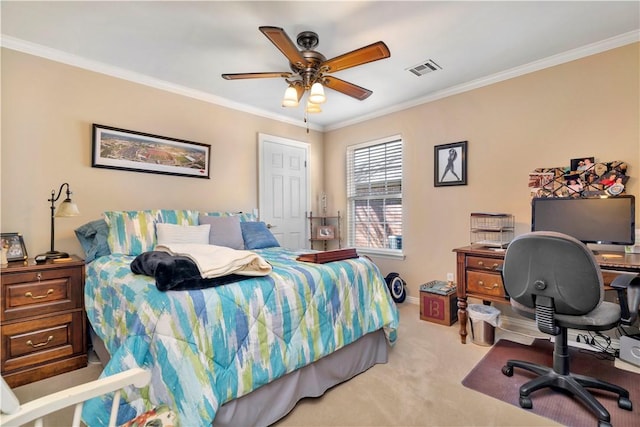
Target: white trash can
(483,319)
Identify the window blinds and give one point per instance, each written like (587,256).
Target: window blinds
(374,192)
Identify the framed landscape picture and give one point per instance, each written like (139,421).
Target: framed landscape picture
(450,164)
(115,148)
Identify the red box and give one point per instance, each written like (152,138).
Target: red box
(436,308)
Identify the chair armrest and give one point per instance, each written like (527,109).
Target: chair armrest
(38,408)
(627,285)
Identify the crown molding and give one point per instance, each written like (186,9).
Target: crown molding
(561,58)
(120,73)
(99,67)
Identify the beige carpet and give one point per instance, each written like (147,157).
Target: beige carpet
(420,386)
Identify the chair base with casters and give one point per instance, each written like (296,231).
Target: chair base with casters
(555,280)
(560,378)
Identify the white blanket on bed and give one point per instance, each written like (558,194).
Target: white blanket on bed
(218,261)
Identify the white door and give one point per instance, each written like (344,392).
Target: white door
(282,197)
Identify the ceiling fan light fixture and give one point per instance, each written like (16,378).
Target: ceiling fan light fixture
(290,97)
(313,108)
(316,95)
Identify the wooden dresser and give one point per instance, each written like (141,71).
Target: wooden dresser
(42,321)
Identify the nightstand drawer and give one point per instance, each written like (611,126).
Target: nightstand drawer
(40,292)
(39,341)
(481,263)
(485,283)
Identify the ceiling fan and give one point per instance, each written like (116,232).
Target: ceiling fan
(310,69)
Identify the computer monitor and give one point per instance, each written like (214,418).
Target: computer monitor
(601,220)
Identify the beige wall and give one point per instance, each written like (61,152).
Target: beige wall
(47,112)
(588,107)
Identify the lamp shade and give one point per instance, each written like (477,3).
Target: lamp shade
(67,208)
(316,96)
(290,97)
(313,108)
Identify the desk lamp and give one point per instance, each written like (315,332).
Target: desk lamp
(66,209)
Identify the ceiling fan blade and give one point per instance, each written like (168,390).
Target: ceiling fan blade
(282,41)
(238,76)
(366,54)
(347,88)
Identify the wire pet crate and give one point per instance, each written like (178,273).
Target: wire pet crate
(492,229)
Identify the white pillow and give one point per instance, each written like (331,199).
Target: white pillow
(172,233)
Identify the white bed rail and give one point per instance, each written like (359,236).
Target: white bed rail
(16,414)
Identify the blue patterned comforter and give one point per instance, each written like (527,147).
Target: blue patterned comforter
(206,347)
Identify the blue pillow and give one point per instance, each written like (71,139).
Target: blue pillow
(256,235)
(93,239)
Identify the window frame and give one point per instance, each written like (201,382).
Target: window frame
(351,197)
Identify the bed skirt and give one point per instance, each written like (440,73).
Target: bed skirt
(273,401)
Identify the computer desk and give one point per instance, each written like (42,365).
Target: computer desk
(478,273)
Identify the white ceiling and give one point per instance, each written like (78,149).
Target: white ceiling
(185,46)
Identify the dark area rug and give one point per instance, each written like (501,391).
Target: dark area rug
(487,378)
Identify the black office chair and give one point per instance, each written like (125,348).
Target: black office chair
(556,280)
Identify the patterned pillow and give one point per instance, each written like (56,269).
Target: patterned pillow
(179,217)
(162,416)
(244,216)
(132,232)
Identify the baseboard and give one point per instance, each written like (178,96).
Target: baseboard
(413,300)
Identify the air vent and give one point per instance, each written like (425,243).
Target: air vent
(426,67)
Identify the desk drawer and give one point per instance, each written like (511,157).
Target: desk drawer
(482,263)
(485,283)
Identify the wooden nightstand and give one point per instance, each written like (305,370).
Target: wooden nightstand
(42,321)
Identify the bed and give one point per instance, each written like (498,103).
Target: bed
(242,353)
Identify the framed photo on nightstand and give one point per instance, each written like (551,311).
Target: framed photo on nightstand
(13,242)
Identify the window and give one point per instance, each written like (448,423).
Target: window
(374,193)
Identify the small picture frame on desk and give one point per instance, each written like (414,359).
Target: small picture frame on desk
(14,244)
(325,232)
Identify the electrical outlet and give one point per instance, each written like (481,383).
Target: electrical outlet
(449,277)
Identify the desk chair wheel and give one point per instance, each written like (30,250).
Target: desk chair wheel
(625,403)
(525,402)
(507,370)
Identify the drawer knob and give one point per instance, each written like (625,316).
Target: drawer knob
(489,288)
(42,344)
(30,294)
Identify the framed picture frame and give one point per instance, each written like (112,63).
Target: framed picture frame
(128,150)
(450,164)
(16,250)
(325,232)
